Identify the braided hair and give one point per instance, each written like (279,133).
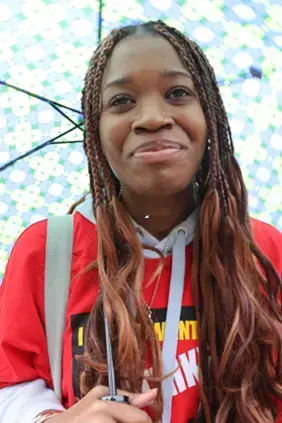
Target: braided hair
(235,286)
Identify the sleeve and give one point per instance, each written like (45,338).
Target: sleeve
(279,410)
(21,403)
(24,365)
(269,240)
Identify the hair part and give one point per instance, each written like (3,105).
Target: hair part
(231,277)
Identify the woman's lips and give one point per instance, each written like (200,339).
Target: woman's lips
(157,156)
(158,151)
(158,145)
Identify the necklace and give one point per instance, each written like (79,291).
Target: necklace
(149,306)
(149,312)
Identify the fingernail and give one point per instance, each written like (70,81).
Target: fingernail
(145,398)
(151,392)
(150,403)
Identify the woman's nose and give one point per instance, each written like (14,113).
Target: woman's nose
(152,119)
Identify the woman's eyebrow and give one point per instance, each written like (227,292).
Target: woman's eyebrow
(118,82)
(168,73)
(172,73)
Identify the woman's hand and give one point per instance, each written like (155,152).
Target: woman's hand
(91,409)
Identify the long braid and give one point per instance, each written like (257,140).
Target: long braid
(91,116)
(91,107)
(96,100)
(225,277)
(96,181)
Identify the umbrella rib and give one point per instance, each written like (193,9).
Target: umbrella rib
(56,106)
(68,142)
(66,116)
(39,97)
(37,148)
(100,21)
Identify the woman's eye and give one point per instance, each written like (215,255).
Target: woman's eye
(179,92)
(120,100)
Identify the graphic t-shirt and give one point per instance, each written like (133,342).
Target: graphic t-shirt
(23,349)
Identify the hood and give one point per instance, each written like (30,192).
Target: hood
(165,245)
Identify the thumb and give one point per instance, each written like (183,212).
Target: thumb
(143,400)
(137,400)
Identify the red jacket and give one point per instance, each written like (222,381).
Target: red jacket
(23,349)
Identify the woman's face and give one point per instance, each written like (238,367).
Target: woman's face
(152,127)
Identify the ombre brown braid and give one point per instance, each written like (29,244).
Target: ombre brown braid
(236,288)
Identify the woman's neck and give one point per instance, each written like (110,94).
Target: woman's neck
(159,215)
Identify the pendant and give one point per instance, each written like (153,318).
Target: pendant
(149,312)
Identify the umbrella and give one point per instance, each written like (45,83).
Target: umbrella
(45,49)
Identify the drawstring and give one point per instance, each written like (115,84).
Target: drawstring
(173,317)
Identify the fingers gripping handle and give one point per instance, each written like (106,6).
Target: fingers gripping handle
(116,398)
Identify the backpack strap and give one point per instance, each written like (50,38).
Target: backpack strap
(59,245)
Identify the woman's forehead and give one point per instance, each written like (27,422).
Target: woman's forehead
(135,54)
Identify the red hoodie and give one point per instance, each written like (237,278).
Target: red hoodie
(23,349)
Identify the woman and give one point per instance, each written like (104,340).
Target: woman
(171,221)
